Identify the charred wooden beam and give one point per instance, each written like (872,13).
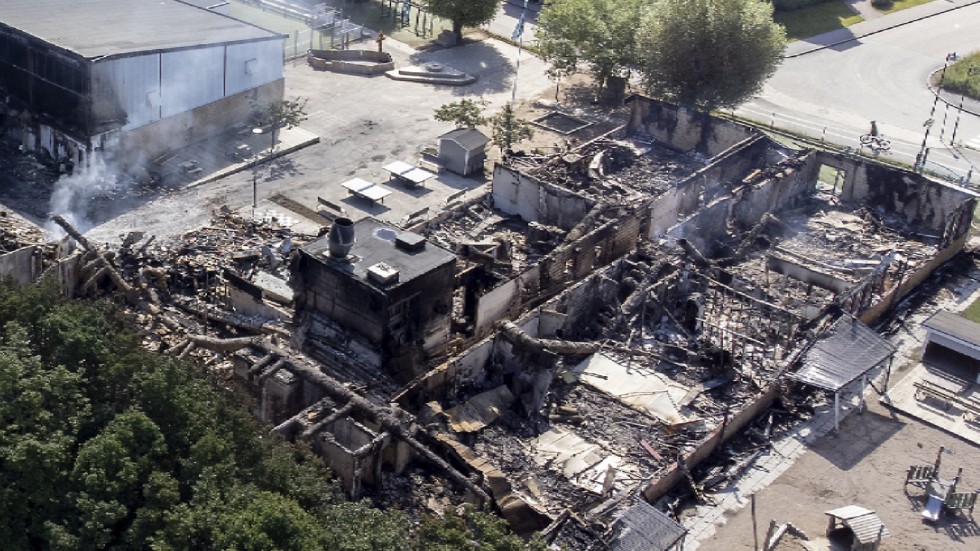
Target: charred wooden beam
(128,291)
(520,339)
(222,345)
(383,416)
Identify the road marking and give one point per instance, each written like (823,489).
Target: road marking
(973,144)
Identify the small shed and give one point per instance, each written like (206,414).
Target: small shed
(643,527)
(463,150)
(951,333)
(845,352)
(864,523)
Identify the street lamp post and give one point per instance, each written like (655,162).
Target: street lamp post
(255,175)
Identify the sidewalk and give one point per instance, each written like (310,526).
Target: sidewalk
(770,466)
(873,26)
(505,21)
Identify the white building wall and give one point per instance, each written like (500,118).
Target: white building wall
(133,82)
(154,86)
(191,78)
(252,64)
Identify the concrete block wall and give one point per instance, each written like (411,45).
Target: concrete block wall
(685,129)
(918,200)
(152,140)
(21,266)
(519,194)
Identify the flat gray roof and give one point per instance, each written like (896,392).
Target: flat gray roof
(98,28)
(374,242)
(954,325)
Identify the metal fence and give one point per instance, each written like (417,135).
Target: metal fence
(324,27)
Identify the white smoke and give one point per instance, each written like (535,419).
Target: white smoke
(73,194)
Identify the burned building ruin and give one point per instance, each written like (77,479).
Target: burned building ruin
(383,293)
(581,337)
(153,76)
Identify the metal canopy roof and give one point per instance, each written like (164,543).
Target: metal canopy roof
(843,353)
(863,522)
(99,28)
(954,326)
(643,527)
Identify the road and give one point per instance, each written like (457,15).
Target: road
(834,93)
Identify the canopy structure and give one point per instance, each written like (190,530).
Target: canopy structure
(867,527)
(846,351)
(957,334)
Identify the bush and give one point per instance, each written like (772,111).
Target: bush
(881,4)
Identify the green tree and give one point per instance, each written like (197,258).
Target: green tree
(42,410)
(465,113)
(598,33)
(509,130)
(104,445)
(708,54)
(468,528)
(278,114)
(110,473)
(463,13)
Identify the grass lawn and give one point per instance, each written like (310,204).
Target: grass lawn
(899,5)
(816,19)
(958,78)
(973,312)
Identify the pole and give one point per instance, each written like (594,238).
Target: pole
(959,112)
(755,527)
(837,412)
(255,174)
(520,48)
(920,159)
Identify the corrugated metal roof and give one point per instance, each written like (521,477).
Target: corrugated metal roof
(469,139)
(98,28)
(955,326)
(843,353)
(863,522)
(643,527)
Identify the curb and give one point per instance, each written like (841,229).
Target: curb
(896,25)
(938,93)
(214,176)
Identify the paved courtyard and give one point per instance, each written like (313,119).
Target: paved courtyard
(363,123)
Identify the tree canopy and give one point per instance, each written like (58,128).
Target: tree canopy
(508,129)
(463,13)
(465,113)
(709,54)
(104,445)
(598,33)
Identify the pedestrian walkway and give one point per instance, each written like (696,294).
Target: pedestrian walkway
(781,456)
(505,22)
(973,143)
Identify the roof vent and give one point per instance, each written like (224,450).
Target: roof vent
(410,242)
(341,238)
(382,274)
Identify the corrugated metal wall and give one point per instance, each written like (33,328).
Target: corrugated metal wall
(191,78)
(131,86)
(252,64)
(150,87)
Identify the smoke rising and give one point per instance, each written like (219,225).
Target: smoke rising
(75,195)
